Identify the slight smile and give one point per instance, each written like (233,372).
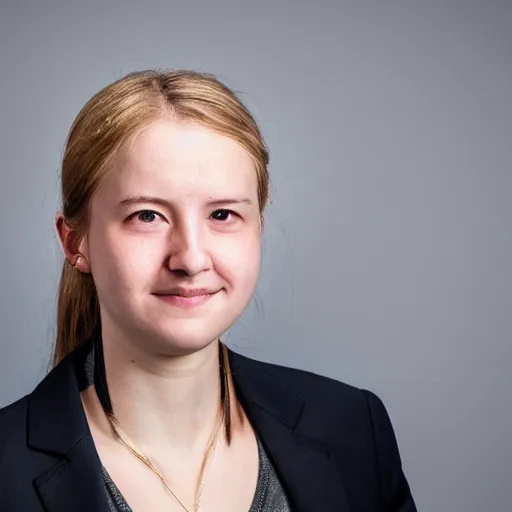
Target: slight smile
(186,298)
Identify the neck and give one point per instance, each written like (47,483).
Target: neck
(163,401)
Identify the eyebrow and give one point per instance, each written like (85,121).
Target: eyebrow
(164,202)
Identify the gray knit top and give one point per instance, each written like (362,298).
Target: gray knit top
(269,495)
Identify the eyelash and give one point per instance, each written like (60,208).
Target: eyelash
(140,212)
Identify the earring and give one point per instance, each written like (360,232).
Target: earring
(80,260)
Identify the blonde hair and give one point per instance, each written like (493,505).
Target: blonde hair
(105,124)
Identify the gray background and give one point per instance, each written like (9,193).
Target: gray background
(388,245)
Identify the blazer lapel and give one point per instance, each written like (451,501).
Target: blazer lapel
(74,483)
(304,465)
(71,478)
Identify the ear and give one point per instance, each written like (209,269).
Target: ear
(73,245)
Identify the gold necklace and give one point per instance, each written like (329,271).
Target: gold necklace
(205,465)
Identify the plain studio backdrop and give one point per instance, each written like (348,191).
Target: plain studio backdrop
(388,241)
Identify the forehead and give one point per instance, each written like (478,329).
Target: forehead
(181,160)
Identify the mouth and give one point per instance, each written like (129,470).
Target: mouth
(187,297)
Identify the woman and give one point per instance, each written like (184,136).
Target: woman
(164,184)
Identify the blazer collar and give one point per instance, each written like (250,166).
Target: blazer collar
(73,481)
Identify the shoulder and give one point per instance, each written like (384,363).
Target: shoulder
(13,446)
(20,465)
(336,405)
(13,419)
(308,385)
(13,438)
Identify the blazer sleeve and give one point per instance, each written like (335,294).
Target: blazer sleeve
(395,492)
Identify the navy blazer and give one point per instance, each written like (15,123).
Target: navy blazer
(332,445)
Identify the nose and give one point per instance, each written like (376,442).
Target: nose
(188,254)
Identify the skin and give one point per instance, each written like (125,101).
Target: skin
(161,352)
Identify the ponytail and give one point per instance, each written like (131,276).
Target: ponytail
(78,316)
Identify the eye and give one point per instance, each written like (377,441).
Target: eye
(145,216)
(222,214)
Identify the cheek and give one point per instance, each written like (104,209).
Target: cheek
(239,261)
(121,264)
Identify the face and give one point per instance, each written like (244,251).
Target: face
(174,238)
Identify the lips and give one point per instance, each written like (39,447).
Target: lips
(186,297)
(188,292)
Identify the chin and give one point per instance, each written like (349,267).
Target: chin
(182,341)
